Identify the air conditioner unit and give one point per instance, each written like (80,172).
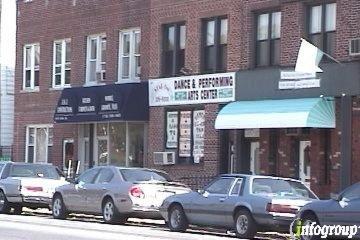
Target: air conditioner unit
(354,47)
(164,158)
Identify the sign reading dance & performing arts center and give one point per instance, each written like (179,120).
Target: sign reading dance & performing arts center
(209,88)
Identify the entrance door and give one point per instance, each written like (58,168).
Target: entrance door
(254,157)
(304,162)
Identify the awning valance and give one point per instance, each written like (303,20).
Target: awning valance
(285,113)
(122,102)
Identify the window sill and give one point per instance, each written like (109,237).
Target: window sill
(59,88)
(35,90)
(123,81)
(94,84)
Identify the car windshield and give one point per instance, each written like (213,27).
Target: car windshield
(141,175)
(280,188)
(35,171)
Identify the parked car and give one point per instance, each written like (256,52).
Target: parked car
(27,185)
(244,203)
(116,193)
(342,209)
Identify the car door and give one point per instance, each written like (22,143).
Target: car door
(76,195)
(232,200)
(96,191)
(207,208)
(346,211)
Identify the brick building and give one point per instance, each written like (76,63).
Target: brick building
(203,57)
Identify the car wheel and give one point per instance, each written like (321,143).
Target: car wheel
(17,209)
(110,213)
(58,207)
(245,225)
(307,220)
(4,204)
(177,219)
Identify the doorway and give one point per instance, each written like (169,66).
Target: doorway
(254,157)
(304,162)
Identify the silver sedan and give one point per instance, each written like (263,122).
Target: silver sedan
(116,193)
(244,203)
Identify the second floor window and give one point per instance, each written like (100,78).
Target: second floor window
(322,26)
(268,39)
(215,31)
(174,36)
(129,57)
(62,63)
(96,59)
(31,66)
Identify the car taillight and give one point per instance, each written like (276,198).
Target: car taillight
(137,192)
(33,189)
(280,208)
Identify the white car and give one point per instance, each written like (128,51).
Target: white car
(27,185)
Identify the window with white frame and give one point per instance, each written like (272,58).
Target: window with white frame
(129,55)
(96,59)
(39,141)
(62,63)
(31,66)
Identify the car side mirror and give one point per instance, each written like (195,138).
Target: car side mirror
(72,180)
(201,191)
(335,197)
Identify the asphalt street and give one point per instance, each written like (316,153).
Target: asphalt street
(29,226)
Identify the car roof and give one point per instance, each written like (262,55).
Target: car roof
(257,176)
(130,168)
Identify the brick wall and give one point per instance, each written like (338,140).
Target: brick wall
(45,21)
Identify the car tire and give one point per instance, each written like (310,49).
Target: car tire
(309,218)
(58,207)
(177,219)
(245,225)
(110,213)
(17,209)
(4,204)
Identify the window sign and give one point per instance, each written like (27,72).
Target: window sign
(172,130)
(198,134)
(185,134)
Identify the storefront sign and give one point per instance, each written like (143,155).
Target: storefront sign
(210,88)
(252,133)
(172,130)
(198,133)
(185,134)
(290,75)
(300,84)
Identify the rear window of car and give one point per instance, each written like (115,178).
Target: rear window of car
(1,166)
(35,171)
(280,188)
(141,175)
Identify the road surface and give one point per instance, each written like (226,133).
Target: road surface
(29,226)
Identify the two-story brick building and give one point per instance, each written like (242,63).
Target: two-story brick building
(215,89)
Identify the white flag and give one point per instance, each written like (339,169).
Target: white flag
(309,58)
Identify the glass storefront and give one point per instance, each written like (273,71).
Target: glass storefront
(115,143)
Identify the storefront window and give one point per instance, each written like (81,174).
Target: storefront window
(185,132)
(136,144)
(118,144)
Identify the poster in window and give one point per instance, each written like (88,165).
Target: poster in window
(185,134)
(198,133)
(172,130)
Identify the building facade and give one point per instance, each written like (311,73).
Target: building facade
(7,64)
(201,58)
(80,100)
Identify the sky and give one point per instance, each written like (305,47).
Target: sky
(8,33)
